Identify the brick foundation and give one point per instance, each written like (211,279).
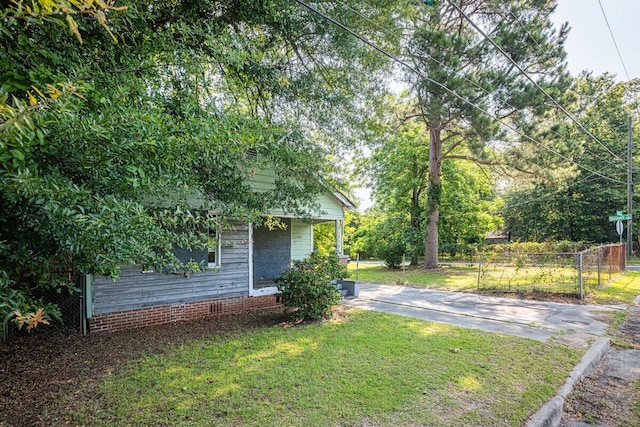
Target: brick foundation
(139,318)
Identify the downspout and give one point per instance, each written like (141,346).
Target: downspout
(86,303)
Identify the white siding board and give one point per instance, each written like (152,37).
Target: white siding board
(330,206)
(301,239)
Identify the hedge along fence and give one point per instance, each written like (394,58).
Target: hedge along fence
(468,252)
(572,273)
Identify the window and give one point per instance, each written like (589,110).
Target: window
(204,257)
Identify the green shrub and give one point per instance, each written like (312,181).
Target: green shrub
(307,286)
(392,253)
(535,247)
(22,309)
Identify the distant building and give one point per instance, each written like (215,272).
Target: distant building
(495,237)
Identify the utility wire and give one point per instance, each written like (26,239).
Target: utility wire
(517,19)
(545,196)
(456,72)
(424,76)
(416,71)
(525,29)
(615,43)
(528,77)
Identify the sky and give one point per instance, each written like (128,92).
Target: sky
(589,45)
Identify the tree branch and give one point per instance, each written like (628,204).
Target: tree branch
(492,164)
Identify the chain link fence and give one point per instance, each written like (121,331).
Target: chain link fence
(598,265)
(573,273)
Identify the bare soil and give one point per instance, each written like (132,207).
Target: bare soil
(536,296)
(42,372)
(610,395)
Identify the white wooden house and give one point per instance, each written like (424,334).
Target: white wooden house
(247,259)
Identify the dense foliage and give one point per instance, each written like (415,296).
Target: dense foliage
(119,118)
(577,208)
(399,169)
(309,286)
(124,124)
(465,83)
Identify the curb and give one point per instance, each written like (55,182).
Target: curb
(550,414)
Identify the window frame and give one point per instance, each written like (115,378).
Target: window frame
(217,249)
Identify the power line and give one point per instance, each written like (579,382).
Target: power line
(525,29)
(615,43)
(456,72)
(416,71)
(545,196)
(456,95)
(528,77)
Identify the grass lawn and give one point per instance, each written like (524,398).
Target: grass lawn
(622,289)
(455,278)
(362,368)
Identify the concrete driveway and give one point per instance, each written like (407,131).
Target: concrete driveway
(570,324)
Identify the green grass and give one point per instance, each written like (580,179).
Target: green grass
(457,278)
(367,368)
(621,290)
(549,278)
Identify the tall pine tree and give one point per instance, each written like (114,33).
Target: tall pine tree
(464,83)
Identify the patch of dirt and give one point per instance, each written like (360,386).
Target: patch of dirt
(604,400)
(536,296)
(42,372)
(610,394)
(528,295)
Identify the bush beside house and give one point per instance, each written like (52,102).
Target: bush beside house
(308,287)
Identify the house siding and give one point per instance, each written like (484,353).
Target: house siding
(301,239)
(139,299)
(136,290)
(330,207)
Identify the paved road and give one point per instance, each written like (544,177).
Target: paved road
(570,324)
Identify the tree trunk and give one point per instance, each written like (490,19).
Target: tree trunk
(434,195)
(415,220)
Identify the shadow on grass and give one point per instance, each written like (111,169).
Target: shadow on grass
(367,367)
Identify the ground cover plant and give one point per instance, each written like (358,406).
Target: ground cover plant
(359,368)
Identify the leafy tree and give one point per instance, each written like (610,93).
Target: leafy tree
(452,56)
(577,208)
(324,238)
(399,169)
(470,207)
(117,116)
(360,235)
